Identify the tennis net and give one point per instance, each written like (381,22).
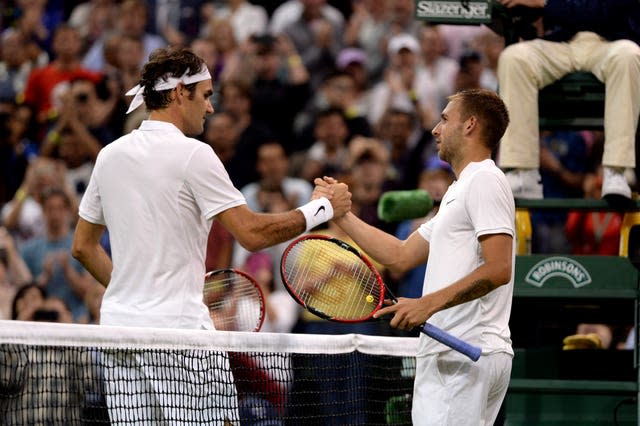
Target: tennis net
(63,374)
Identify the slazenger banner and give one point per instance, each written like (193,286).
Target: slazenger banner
(558,266)
(454,12)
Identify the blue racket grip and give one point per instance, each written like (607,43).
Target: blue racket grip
(454,343)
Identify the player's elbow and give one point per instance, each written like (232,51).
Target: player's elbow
(502,275)
(252,242)
(79,251)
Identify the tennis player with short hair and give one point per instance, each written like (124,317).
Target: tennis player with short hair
(157,190)
(470,253)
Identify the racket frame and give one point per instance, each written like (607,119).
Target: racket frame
(345,246)
(252,280)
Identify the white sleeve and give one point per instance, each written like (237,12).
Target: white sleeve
(210,183)
(90,208)
(490,205)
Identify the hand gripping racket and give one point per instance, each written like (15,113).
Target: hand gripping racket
(334,281)
(235,300)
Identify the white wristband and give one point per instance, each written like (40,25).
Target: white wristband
(316,212)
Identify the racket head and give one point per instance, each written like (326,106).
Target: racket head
(331,279)
(235,300)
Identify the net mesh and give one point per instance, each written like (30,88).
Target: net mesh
(59,374)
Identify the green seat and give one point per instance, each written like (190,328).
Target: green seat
(576,101)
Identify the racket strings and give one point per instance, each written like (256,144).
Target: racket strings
(332,280)
(234,302)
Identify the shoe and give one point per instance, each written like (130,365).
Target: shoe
(525,183)
(615,183)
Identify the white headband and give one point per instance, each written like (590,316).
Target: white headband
(165,83)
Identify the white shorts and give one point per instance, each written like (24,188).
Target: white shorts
(452,390)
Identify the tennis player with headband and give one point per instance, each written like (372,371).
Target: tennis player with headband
(157,190)
(469,249)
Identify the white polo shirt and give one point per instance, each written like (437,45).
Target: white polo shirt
(479,203)
(157,191)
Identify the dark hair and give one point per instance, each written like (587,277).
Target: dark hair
(20,294)
(330,111)
(490,111)
(173,62)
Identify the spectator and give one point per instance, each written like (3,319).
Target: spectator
(438,67)
(221,134)
(409,146)
(594,232)
(132,21)
(206,49)
(221,32)
(490,45)
(406,85)
(26,301)
(18,147)
(470,71)
(45,82)
(317,38)
(83,116)
(92,19)
(246,19)
(22,216)
(291,10)
(178,21)
(353,61)
(281,85)
(236,100)
(328,153)
(403,20)
(15,66)
(587,35)
(367,29)
(14,273)
(49,258)
(368,167)
(53,309)
(339,91)
(272,165)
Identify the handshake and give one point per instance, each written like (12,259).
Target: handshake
(393,206)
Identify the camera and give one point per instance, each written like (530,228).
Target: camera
(82,97)
(46,315)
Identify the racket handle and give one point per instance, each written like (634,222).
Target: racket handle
(454,343)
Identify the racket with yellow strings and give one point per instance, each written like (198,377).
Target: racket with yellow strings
(335,281)
(235,300)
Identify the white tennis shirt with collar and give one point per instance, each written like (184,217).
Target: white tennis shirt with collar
(479,203)
(157,192)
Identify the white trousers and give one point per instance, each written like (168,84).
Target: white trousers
(528,66)
(452,390)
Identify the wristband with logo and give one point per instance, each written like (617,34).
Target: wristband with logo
(316,212)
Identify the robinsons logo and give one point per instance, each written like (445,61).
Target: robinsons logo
(558,266)
(453,9)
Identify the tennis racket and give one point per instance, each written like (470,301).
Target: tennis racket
(235,300)
(334,281)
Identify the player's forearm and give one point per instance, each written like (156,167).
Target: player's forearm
(268,229)
(384,248)
(96,261)
(480,282)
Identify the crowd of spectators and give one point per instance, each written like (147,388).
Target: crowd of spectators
(302,88)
